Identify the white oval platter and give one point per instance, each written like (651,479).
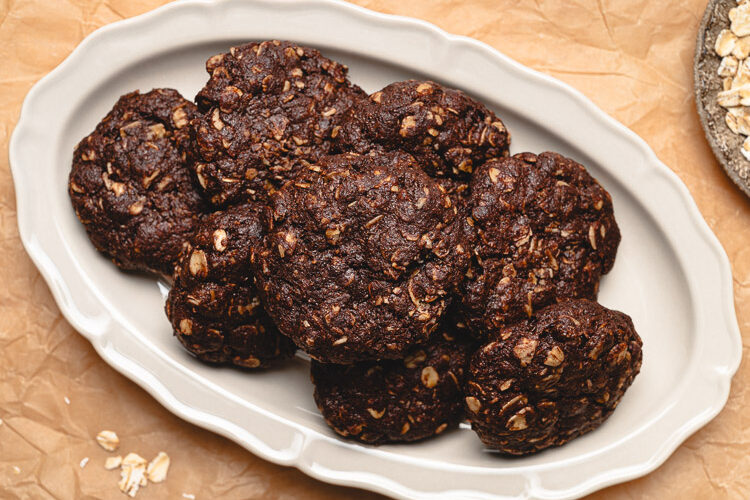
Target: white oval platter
(671,275)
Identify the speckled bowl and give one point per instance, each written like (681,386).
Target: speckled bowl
(724,143)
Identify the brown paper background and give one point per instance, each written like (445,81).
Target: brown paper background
(633,58)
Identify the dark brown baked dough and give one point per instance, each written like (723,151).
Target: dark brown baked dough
(213,305)
(361,257)
(544,381)
(130,184)
(266,104)
(448,132)
(395,400)
(546,231)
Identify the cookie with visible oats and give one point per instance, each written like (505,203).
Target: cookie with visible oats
(546,231)
(395,400)
(130,183)
(544,381)
(213,305)
(448,132)
(267,104)
(362,256)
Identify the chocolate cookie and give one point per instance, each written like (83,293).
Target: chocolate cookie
(448,132)
(266,104)
(130,184)
(361,258)
(213,305)
(544,381)
(546,231)
(395,400)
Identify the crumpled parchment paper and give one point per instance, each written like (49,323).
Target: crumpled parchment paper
(634,59)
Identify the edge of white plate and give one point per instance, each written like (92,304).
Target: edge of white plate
(101,330)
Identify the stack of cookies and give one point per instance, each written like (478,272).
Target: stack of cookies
(430,276)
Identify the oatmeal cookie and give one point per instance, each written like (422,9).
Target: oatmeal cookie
(395,400)
(266,104)
(130,184)
(448,132)
(361,257)
(546,231)
(544,381)
(213,305)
